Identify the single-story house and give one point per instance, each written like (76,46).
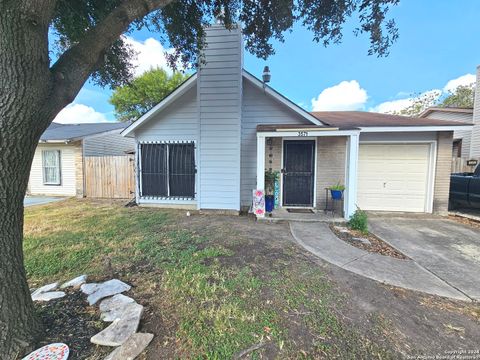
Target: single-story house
(208,144)
(58,164)
(461,138)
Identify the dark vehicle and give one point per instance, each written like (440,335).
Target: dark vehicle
(465,190)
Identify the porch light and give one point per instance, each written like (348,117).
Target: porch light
(266,75)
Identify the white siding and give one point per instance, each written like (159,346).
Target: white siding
(179,121)
(108,144)
(475,143)
(67,160)
(465,135)
(220,90)
(258,108)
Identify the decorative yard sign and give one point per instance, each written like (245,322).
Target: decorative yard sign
(276,193)
(56,351)
(258,202)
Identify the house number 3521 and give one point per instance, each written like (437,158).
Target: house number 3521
(302,133)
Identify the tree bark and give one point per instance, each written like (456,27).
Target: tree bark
(31,95)
(24,85)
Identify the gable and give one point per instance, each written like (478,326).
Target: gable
(177,121)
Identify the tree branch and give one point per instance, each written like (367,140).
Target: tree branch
(76,64)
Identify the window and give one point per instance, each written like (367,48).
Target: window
(168,170)
(51,167)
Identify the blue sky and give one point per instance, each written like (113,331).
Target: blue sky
(436,45)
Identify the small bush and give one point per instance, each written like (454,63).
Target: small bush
(359,221)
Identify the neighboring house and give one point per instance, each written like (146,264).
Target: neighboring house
(58,163)
(461,138)
(466,143)
(208,144)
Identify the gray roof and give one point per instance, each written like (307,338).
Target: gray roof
(66,132)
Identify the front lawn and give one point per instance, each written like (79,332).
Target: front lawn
(210,289)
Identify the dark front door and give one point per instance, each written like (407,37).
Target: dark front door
(298,172)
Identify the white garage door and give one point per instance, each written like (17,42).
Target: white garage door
(393,177)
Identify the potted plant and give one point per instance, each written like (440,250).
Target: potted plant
(337,191)
(270,178)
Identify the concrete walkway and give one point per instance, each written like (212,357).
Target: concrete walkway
(40,200)
(319,240)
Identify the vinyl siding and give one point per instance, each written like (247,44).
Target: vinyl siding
(179,121)
(258,108)
(475,143)
(465,135)
(68,180)
(220,90)
(108,144)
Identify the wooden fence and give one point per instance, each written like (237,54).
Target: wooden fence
(459,165)
(110,177)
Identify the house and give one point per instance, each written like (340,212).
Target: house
(461,138)
(207,145)
(58,164)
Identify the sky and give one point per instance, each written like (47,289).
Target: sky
(437,50)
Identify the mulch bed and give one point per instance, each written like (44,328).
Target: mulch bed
(71,321)
(376,245)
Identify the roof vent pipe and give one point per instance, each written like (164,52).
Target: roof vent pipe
(266,76)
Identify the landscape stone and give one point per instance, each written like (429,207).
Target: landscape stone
(121,329)
(362,240)
(114,307)
(88,289)
(47,296)
(131,348)
(45,288)
(108,288)
(75,283)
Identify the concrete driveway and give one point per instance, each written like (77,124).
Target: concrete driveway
(40,200)
(449,250)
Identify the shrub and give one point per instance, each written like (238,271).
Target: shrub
(359,221)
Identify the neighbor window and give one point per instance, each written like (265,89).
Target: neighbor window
(168,170)
(51,167)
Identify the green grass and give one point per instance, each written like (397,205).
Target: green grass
(219,305)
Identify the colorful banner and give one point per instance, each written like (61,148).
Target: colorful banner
(258,202)
(276,193)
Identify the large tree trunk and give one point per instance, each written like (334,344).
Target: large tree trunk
(25,84)
(31,94)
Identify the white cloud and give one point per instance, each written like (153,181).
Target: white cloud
(464,80)
(79,113)
(150,54)
(347,95)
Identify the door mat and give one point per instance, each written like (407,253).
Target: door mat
(301,211)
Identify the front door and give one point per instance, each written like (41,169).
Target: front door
(298,172)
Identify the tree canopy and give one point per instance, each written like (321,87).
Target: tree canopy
(138,96)
(180,24)
(463,96)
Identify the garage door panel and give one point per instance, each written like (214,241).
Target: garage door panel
(393,177)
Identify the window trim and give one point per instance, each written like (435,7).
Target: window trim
(59,170)
(168,198)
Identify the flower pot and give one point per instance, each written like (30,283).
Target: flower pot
(336,194)
(269,203)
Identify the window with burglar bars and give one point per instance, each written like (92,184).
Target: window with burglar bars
(51,167)
(168,170)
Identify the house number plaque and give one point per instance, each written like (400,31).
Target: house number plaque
(302,133)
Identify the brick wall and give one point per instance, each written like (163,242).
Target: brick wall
(442,172)
(78,150)
(331,154)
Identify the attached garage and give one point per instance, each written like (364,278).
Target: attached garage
(395,177)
